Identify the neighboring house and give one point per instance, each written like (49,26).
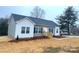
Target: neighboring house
(26,26)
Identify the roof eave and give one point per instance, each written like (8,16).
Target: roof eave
(28,19)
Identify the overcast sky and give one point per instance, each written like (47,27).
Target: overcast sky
(50,11)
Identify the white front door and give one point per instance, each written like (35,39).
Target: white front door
(57,31)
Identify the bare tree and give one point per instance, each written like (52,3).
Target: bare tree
(38,12)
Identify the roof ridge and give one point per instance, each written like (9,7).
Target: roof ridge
(35,20)
(32,17)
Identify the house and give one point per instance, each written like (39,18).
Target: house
(26,27)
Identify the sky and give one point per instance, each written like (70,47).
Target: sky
(51,12)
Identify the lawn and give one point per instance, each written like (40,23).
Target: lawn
(39,45)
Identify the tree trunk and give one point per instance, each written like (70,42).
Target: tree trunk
(68,29)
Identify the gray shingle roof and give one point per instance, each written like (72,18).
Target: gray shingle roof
(37,21)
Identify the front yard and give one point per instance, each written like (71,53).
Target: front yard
(40,45)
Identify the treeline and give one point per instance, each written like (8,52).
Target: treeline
(3,26)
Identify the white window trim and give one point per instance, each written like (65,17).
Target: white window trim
(38,30)
(25,31)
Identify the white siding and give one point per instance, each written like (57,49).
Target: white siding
(14,29)
(11,28)
(38,34)
(55,31)
(24,23)
(45,29)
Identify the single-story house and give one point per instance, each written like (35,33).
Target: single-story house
(25,27)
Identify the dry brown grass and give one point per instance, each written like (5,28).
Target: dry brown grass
(35,45)
(4,38)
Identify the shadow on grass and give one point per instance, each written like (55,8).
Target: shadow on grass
(58,50)
(51,50)
(77,51)
(72,49)
(29,39)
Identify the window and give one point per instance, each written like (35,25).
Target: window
(57,31)
(23,30)
(51,30)
(35,29)
(27,29)
(38,30)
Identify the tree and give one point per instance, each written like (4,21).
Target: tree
(68,19)
(3,26)
(71,17)
(38,12)
(61,21)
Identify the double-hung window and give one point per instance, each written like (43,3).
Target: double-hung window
(57,31)
(35,29)
(38,30)
(25,30)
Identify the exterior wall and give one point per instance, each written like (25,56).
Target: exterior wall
(14,29)
(45,29)
(38,34)
(24,23)
(11,28)
(55,31)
